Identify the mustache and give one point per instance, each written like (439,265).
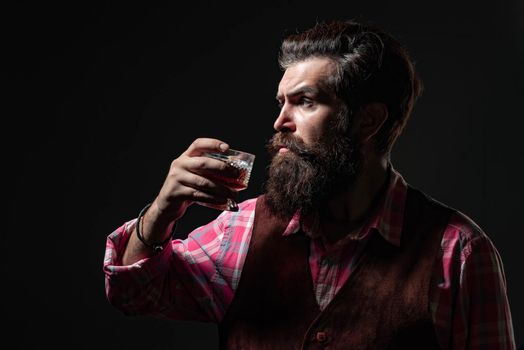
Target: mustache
(294,144)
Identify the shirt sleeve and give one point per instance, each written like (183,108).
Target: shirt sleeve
(471,307)
(193,281)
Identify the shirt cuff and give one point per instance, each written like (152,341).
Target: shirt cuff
(143,270)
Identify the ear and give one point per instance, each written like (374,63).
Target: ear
(368,120)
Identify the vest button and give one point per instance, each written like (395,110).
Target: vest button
(321,337)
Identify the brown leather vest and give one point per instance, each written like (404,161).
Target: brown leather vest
(383,305)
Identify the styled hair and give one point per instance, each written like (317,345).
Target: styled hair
(372,66)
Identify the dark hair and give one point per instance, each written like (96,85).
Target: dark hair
(372,66)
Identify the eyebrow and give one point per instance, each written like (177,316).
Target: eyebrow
(301,90)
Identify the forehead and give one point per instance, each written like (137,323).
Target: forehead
(316,72)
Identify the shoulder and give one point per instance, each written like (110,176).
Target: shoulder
(470,239)
(467,252)
(242,217)
(463,237)
(458,221)
(246,208)
(465,226)
(461,233)
(247,205)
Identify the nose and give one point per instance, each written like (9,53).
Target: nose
(285,120)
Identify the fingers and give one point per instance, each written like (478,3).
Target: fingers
(203,145)
(194,178)
(211,167)
(200,189)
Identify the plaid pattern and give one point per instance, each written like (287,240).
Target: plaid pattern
(196,279)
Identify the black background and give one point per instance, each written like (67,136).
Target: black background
(99,98)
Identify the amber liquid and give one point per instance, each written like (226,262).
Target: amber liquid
(238,184)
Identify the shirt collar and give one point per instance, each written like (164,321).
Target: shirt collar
(387,219)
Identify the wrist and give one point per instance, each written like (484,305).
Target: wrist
(155,218)
(151,229)
(161,216)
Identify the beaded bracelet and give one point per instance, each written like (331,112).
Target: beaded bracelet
(157,247)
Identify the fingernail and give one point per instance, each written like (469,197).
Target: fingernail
(223,147)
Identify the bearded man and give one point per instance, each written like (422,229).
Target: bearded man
(339,251)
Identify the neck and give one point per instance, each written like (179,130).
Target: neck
(347,210)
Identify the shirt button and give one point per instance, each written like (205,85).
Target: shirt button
(321,337)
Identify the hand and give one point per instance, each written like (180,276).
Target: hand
(193,178)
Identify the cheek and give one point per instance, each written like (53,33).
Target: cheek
(314,125)
(318,131)
(309,132)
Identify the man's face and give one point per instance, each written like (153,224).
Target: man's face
(313,156)
(307,100)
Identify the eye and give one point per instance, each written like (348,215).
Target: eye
(279,104)
(306,102)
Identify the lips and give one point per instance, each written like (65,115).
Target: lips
(284,143)
(282,148)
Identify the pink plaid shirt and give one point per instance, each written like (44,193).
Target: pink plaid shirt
(196,279)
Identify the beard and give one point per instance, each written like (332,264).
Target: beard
(306,176)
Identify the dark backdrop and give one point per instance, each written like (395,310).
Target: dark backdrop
(100,98)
